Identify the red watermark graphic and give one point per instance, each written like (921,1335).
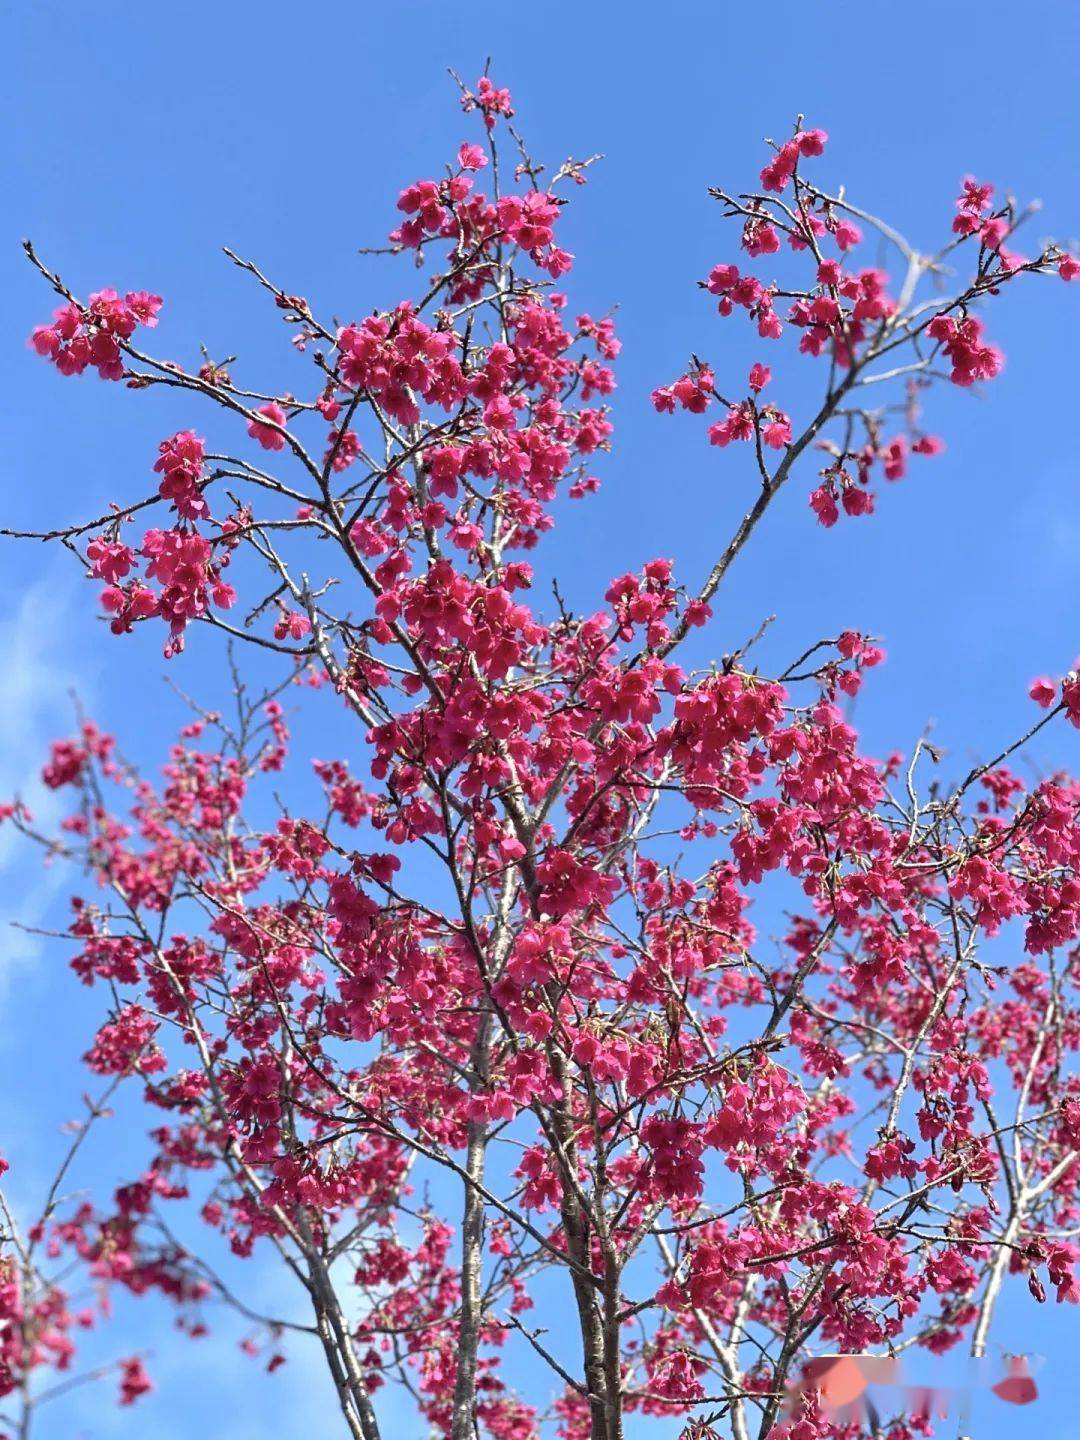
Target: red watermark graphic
(841,1384)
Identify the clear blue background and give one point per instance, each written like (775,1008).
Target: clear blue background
(142,137)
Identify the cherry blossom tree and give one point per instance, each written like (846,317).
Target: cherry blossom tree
(488,1046)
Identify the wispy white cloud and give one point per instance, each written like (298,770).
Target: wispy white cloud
(41,673)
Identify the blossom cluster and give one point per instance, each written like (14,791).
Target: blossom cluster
(77,337)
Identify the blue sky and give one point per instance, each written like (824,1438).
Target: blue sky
(142,138)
